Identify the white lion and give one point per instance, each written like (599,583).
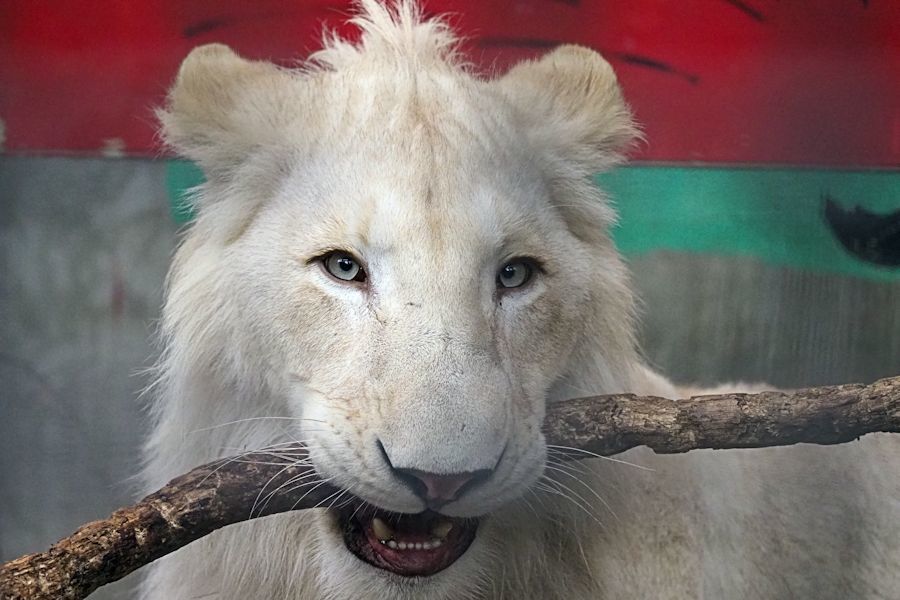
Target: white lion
(401,264)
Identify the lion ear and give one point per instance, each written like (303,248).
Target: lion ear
(573,107)
(221,106)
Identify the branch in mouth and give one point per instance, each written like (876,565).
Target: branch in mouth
(221,493)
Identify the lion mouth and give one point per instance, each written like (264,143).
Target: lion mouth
(408,545)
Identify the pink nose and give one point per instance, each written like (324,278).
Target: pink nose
(439,489)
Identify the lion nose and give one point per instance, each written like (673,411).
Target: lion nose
(438,489)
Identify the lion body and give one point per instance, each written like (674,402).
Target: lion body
(434,176)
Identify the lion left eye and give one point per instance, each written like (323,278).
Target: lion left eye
(343,266)
(514,274)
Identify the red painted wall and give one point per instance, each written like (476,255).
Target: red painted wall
(725,81)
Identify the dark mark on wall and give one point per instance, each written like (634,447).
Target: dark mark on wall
(117,292)
(626,57)
(214,23)
(651,63)
(510,42)
(207,25)
(869,236)
(748,10)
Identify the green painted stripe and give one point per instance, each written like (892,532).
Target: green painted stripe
(773,215)
(181,177)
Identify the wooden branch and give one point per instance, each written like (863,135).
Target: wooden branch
(823,415)
(225,492)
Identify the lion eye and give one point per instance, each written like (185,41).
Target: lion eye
(343,266)
(514,274)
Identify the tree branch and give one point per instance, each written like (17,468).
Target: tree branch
(247,486)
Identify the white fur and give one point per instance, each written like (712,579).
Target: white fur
(389,148)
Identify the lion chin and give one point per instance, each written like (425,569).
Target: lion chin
(400,263)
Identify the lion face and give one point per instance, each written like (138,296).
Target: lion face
(410,257)
(417,290)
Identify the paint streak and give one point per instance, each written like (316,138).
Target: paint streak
(652,63)
(626,57)
(207,25)
(748,10)
(511,42)
(117,292)
(113,148)
(221,22)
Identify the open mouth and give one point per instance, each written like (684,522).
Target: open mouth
(409,545)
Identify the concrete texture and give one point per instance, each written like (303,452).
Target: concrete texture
(84,247)
(708,319)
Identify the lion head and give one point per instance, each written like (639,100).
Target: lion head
(400,263)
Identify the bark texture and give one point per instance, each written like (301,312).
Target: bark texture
(259,484)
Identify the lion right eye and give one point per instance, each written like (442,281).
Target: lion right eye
(516,273)
(343,266)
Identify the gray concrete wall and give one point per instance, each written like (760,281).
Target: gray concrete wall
(710,319)
(84,246)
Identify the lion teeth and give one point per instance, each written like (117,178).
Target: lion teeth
(388,537)
(441,530)
(395,545)
(381,529)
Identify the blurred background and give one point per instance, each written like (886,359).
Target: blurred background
(761,218)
